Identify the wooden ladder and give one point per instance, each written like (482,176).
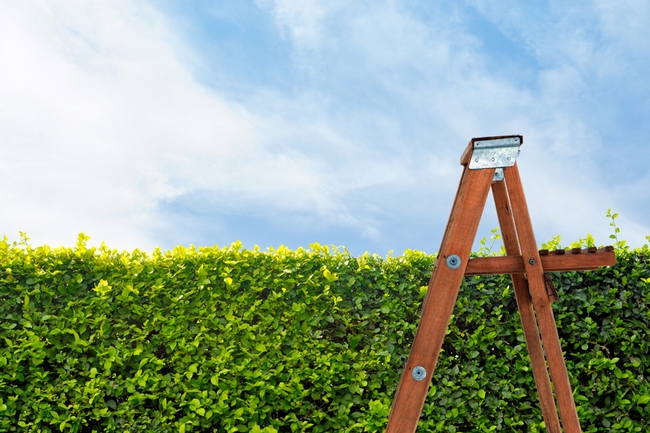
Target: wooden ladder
(490,162)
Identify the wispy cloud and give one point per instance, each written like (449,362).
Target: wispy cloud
(434,69)
(111,124)
(101,121)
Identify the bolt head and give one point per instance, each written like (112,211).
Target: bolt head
(453,261)
(419,373)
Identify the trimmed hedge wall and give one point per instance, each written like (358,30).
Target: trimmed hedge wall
(229,340)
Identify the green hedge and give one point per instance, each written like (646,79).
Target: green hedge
(228,339)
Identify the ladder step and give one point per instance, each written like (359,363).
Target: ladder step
(553,261)
(589,250)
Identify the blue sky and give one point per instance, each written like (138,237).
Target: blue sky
(147,124)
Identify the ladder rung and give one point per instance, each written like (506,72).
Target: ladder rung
(554,261)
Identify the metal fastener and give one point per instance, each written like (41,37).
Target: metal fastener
(419,373)
(495,153)
(453,261)
(531,261)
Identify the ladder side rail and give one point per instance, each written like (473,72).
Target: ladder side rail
(541,302)
(440,300)
(526,311)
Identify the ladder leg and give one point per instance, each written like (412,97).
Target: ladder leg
(526,312)
(541,301)
(439,302)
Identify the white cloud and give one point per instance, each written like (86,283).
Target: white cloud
(103,121)
(437,70)
(626,23)
(301,18)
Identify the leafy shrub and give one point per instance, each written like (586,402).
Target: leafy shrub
(228,339)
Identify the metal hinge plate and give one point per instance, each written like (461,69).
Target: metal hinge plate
(495,153)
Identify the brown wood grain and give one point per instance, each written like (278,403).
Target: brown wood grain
(541,302)
(551,263)
(533,291)
(440,300)
(550,288)
(526,312)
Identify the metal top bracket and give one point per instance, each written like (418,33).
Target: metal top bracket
(494,152)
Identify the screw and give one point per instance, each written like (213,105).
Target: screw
(531,261)
(419,373)
(475,159)
(509,159)
(453,261)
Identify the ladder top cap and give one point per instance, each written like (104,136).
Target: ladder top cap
(498,158)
